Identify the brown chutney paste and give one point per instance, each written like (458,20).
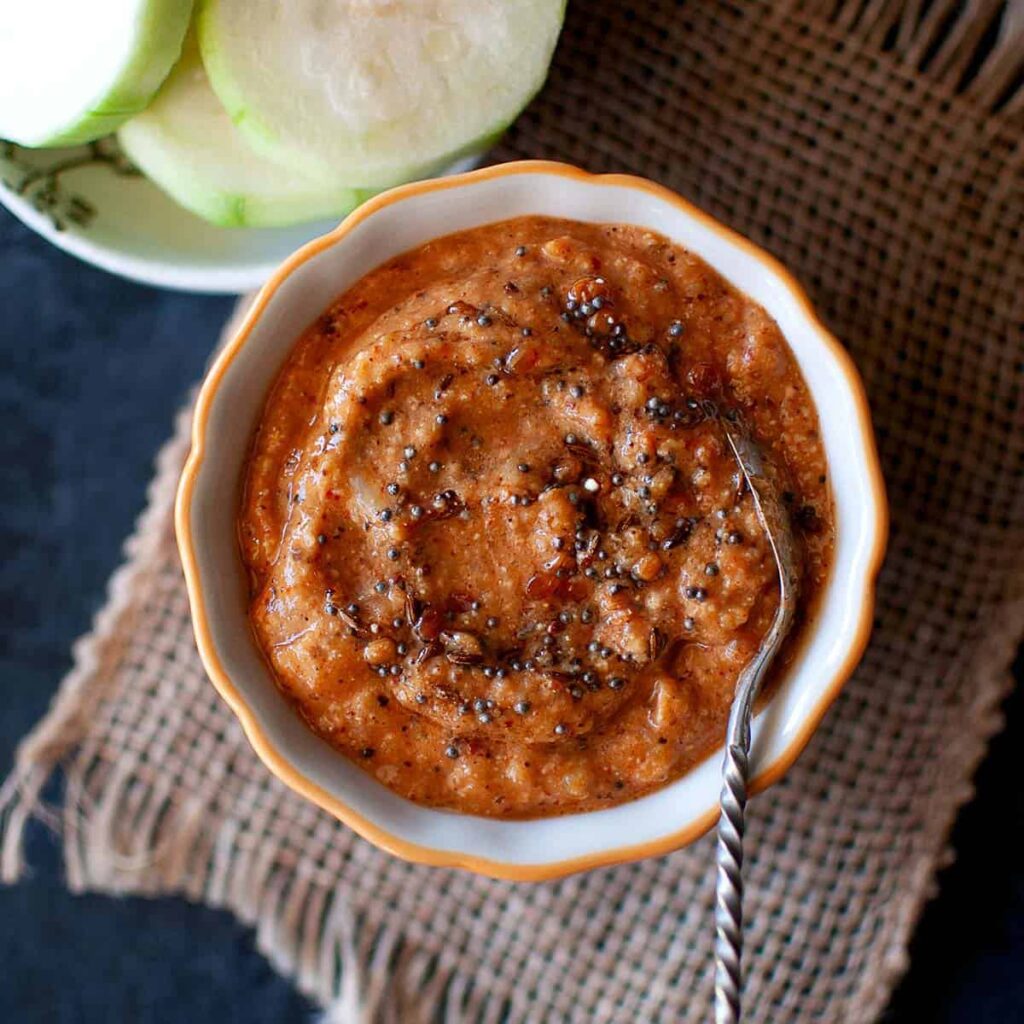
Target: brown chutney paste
(500,552)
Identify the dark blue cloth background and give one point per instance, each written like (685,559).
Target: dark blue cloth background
(92,370)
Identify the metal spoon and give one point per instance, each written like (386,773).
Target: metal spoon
(729,895)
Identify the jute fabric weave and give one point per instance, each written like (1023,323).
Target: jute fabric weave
(875,147)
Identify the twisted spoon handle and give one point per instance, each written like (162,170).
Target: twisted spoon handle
(729,897)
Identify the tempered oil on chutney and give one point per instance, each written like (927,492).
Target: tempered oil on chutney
(500,553)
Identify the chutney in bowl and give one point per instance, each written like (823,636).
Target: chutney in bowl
(502,556)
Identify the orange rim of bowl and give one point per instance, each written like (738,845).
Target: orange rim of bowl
(280,765)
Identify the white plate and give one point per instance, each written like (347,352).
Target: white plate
(131,228)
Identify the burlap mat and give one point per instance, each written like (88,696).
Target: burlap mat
(877,148)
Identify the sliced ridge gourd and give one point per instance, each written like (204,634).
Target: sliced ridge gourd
(376,92)
(74,70)
(185,143)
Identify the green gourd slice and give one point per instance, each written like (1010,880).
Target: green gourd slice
(185,143)
(73,71)
(376,92)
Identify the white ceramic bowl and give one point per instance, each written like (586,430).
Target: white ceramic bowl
(231,402)
(131,228)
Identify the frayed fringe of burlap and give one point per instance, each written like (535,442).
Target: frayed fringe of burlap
(85,686)
(49,745)
(973,49)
